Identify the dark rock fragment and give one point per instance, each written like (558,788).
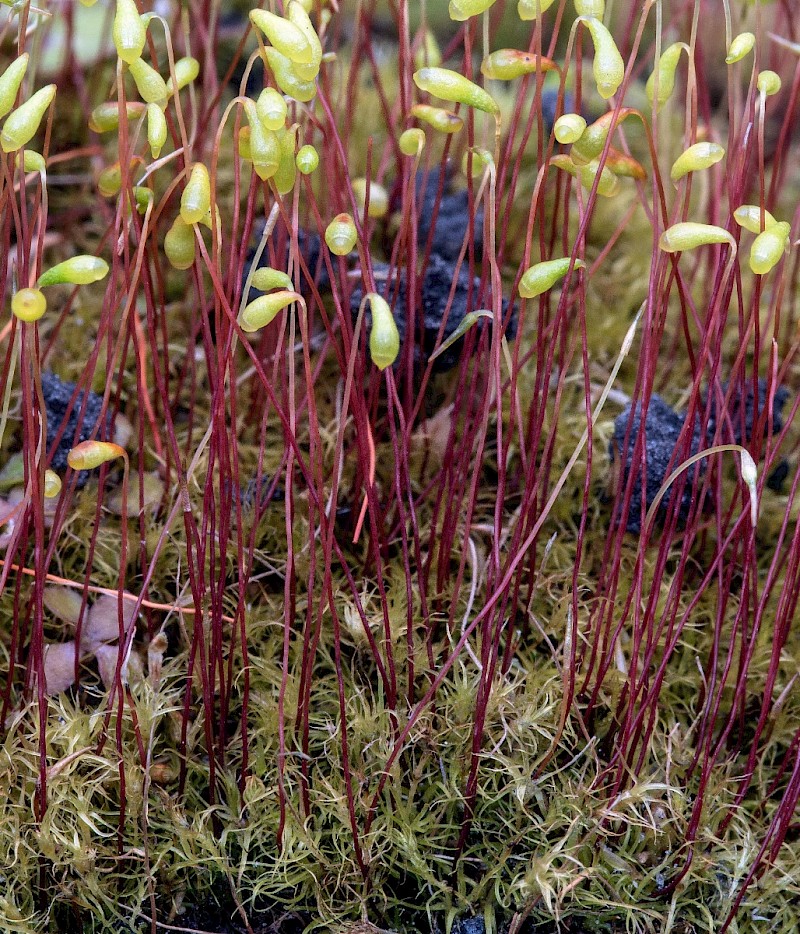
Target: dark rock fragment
(451,222)
(743,412)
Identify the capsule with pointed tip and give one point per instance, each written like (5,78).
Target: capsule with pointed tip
(688,235)
(260,312)
(287,38)
(88,455)
(411,142)
(665,74)
(179,244)
(740,46)
(695,158)
(508,64)
(156,129)
(462,10)
(265,279)
(21,124)
(10,82)
(128,31)
(298,16)
(384,338)
(286,174)
(541,277)
(307,159)
(105,117)
(440,119)
(287,78)
(28,304)
(271,108)
(341,235)
(196,197)
(378,197)
(768,248)
(608,67)
(80,270)
(749,217)
(530,9)
(451,86)
(32,161)
(264,147)
(186,70)
(151,86)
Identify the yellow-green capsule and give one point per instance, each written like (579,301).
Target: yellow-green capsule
(28,304)
(105,117)
(186,70)
(411,142)
(288,80)
(196,197)
(442,120)
(541,277)
(596,8)
(749,217)
(260,312)
(156,129)
(481,160)
(179,244)
(89,455)
(529,9)
(378,197)
(768,248)
(265,149)
(569,128)
(109,181)
(33,161)
(461,10)
(608,67)
(507,64)
(740,46)
(607,185)
(21,124)
(666,68)
(128,31)
(341,235)
(265,279)
(244,144)
(80,270)
(52,484)
(428,51)
(689,235)
(384,338)
(695,158)
(625,166)
(10,82)
(768,82)
(284,178)
(307,160)
(151,86)
(451,86)
(298,16)
(283,35)
(272,109)
(144,198)
(592,141)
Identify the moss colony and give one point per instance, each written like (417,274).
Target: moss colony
(399,466)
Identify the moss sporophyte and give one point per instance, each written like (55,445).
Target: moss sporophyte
(399,466)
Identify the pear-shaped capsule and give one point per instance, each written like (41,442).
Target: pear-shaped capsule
(265,149)
(286,174)
(384,338)
(461,10)
(272,109)
(608,67)
(260,312)
(128,31)
(52,484)
(265,279)
(156,129)
(298,16)
(606,186)
(451,86)
(28,304)
(21,124)
(186,70)
(10,82)
(179,244)
(151,86)
(287,79)
(378,197)
(411,142)
(740,46)
(569,128)
(530,9)
(88,455)
(105,117)
(749,217)
(768,82)
(196,197)
(664,73)
(440,119)
(307,160)
(283,35)
(768,248)
(33,161)
(541,277)
(688,235)
(695,158)
(80,270)
(508,64)
(341,235)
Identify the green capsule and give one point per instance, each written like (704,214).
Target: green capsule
(151,86)
(33,161)
(530,9)
(298,16)
(768,83)
(768,248)
(196,197)
(596,8)
(569,128)
(741,45)
(10,83)
(284,36)
(508,64)
(179,244)
(244,144)
(80,270)
(52,484)
(286,175)
(541,277)
(21,124)
(442,120)
(608,67)
(411,142)
(307,160)
(28,304)
(451,86)
(461,10)
(265,279)
(105,117)
(265,149)
(665,70)
(384,338)
(592,141)
(482,159)
(144,198)
(260,312)
(689,235)
(749,217)
(109,181)
(341,235)
(607,185)
(89,455)
(156,129)
(378,197)
(128,31)
(695,158)
(287,78)
(272,109)
(186,71)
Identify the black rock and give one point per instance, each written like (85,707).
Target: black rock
(469,926)
(662,426)
(743,422)
(311,247)
(436,285)
(451,220)
(57,395)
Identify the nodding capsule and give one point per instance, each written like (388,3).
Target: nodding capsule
(21,124)
(541,277)
(196,197)
(384,338)
(28,304)
(451,86)
(260,312)
(80,270)
(287,38)
(341,235)
(128,31)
